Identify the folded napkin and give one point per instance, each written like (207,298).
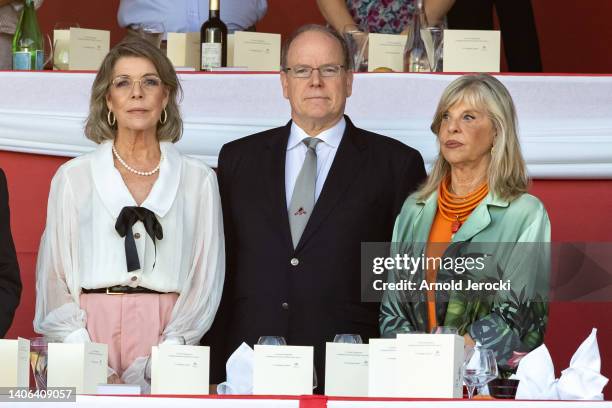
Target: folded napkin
(581,381)
(239,369)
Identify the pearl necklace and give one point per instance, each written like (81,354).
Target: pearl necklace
(140,173)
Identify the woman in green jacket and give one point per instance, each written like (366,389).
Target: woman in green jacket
(474,206)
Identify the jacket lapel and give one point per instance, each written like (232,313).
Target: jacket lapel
(343,172)
(274,177)
(479,219)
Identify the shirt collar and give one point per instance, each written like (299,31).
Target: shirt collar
(114,193)
(331,136)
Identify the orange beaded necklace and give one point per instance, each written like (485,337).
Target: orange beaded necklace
(457,208)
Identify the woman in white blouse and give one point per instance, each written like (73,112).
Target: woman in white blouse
(134,217)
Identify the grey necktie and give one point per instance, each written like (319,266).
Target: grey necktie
(303,198)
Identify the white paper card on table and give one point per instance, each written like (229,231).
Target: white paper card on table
(183,49)
(87,48)
(429,365)
(15,363)
(80,365)
(386,50)
(257,51)
(230,50)
(382,368)
(180,369)
(283,370)
(471,50)
(346,369)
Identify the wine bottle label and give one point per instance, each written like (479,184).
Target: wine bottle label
(22,60)
(211,55)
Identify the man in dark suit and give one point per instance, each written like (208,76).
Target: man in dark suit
(296,210)
(10,283)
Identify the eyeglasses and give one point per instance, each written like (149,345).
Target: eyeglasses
(305,71)
(125,84)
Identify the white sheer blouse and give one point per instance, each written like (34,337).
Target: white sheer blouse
(80,247)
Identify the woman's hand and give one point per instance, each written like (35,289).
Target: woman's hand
(114,379)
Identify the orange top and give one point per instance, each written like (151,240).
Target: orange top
(452,212)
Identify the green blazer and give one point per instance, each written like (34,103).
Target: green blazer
(511,239)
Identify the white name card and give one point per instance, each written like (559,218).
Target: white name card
(257,51)
(429,365)
(471,51)
(283,370)
(180,369)
(386,50)
(382,368)
(14,366)
(346,369)
(183,49)
(80,49)
(80,365)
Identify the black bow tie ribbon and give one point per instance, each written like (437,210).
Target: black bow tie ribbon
(126,220)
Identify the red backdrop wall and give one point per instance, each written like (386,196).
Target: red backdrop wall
(579,211)
(573,35)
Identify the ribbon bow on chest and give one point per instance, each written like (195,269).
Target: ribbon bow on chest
(125,221)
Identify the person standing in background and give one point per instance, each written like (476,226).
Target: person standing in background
(517,25)
(10,283)
(378,16)
(9,17)
(183,16)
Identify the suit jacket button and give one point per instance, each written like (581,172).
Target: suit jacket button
(295,261)
(285,306)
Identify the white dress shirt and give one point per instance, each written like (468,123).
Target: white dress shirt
(80,247)
(296,153)
(184,16)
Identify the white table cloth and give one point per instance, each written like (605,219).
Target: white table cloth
(565,121)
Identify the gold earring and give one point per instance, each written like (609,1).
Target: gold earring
(111,123)
(164,117)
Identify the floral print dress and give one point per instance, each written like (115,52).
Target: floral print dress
(382,16)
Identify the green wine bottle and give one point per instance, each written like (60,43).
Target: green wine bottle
(28,51)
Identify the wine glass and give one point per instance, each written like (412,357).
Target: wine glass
(348,338)
(444,330)
(479,368)
(272,341)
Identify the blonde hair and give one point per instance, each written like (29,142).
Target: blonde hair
(97,128)
(507,172)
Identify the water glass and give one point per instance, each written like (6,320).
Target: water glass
(38,361)
(433,38)
(357,42)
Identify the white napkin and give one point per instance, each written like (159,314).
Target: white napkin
(581,381)
(239,369)
(537,376)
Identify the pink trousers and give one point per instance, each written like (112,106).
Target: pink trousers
(128,324)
